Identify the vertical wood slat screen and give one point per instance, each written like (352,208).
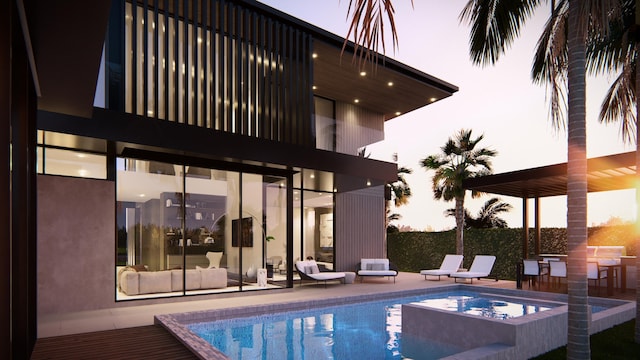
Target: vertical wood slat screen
(218,65)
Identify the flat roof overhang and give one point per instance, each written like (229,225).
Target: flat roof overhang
(605,173)
(137,136)
(336,74)
(388,88)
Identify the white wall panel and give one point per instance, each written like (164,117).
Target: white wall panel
(356,127)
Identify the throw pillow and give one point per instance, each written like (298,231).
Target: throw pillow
(137,267)
(308,269)
(378,267)
(315,269)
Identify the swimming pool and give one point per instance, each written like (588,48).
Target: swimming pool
(334,332)
(372,330)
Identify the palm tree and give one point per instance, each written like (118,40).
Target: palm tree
(487,217)
(400,190)
(607,52)
(495,24)
(459,161)
(400,193)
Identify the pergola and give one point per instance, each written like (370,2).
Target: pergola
(606,173)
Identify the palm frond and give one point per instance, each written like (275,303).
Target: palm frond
(551,61)
(367,28)
(494,25)
(608,52)
(619,104)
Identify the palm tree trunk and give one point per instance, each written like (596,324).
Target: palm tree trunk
(637,233)
(460,225)
(578,318)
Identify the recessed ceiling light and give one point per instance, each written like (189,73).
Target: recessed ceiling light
(398,113)
(314,55)
(141,195)
(314,87)
(433,99)
(390,83)
(312,176)
(356,101)
(363,73)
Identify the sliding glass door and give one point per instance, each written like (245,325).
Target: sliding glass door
(178,222)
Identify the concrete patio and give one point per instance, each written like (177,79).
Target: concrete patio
(133,316)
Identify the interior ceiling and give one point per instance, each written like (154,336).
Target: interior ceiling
(337,77)
(606,173)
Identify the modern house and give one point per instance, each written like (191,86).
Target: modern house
(145,135)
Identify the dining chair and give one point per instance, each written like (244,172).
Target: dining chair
(557,270)
(595,273)
(531,269)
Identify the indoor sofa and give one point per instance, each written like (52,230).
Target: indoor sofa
(376,267)
(134,282)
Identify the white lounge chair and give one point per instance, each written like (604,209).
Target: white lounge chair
(450,265)
(480,268)
(308,270)
(214,260)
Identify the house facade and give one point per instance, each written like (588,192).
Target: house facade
(166,150)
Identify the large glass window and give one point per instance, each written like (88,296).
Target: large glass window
(190,230)
(317,220)
(70,155)
(313,209)
(325,130)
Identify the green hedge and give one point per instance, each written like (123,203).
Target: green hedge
(414,251)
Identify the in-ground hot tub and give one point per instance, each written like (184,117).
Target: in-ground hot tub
(489,333)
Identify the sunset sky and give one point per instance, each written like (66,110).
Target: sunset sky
(498,101)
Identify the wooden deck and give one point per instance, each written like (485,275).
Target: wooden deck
(147,342)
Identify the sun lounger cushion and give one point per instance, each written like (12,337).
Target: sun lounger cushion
(450,265)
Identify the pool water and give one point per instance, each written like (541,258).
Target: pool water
(370,330)
(488,307)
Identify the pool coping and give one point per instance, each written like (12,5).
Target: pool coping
(176,324)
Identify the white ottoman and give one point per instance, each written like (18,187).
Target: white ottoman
(349,277)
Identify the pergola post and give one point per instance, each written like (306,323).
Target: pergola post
(537,221)
(525,228)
